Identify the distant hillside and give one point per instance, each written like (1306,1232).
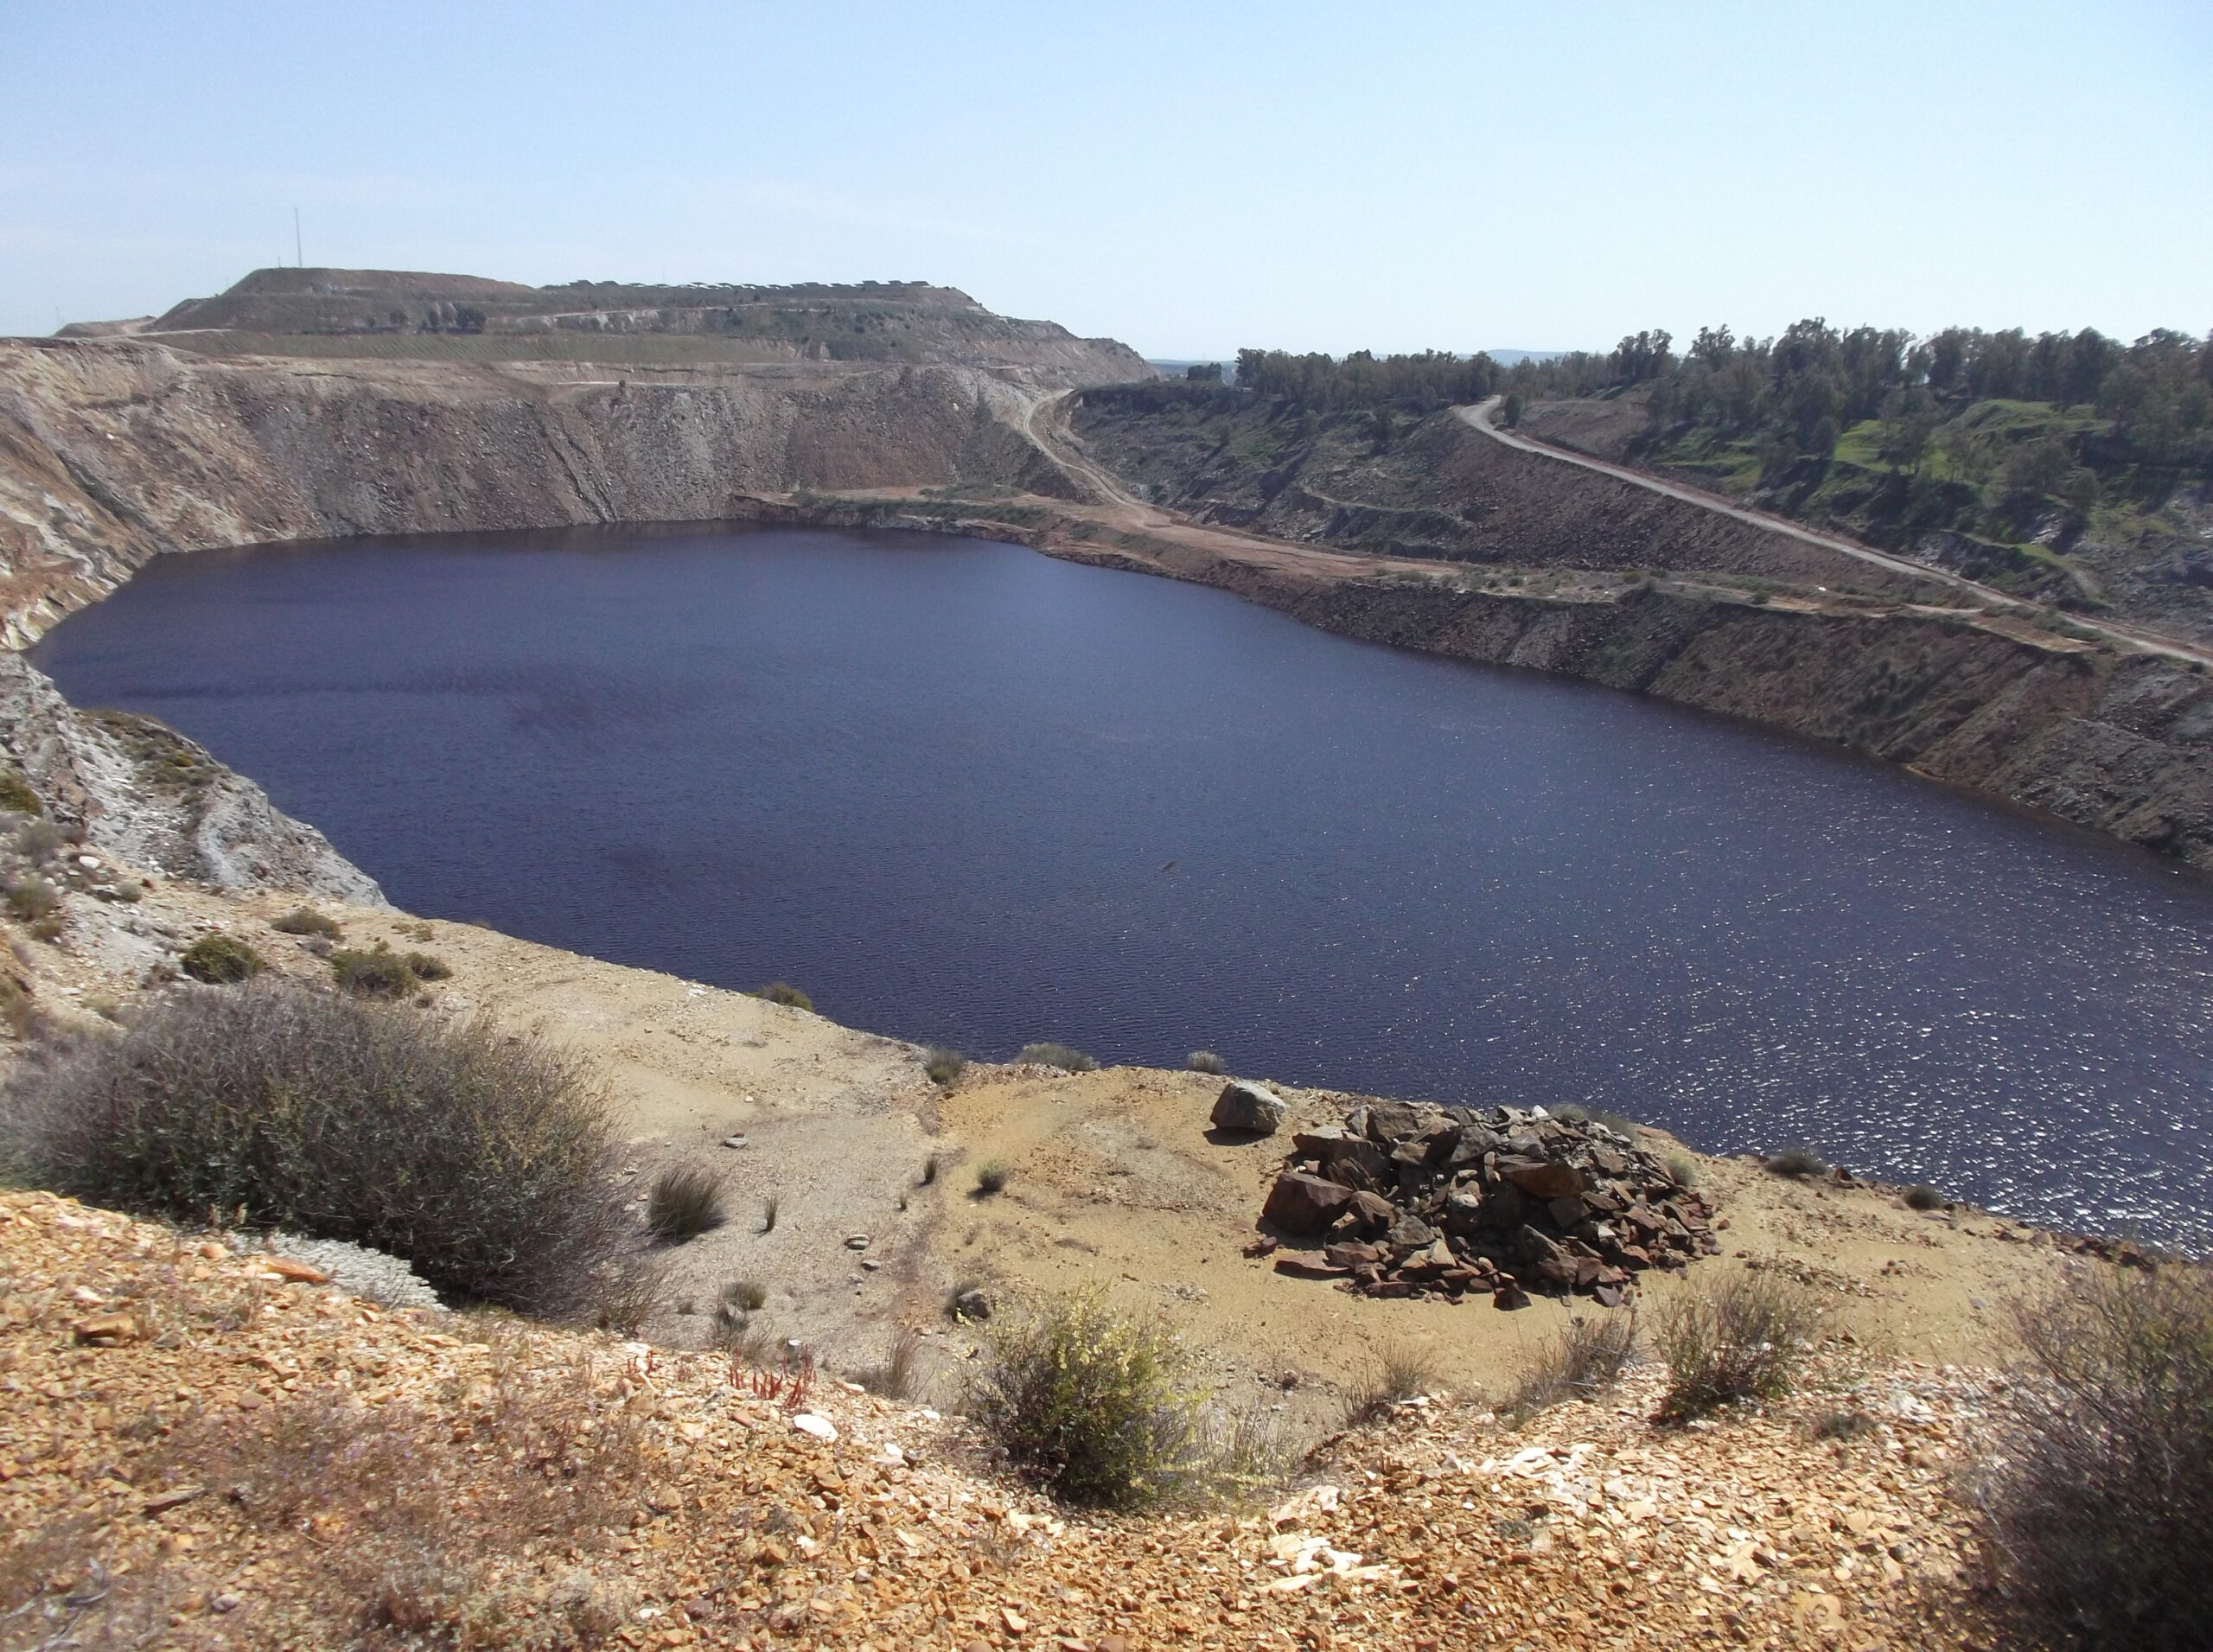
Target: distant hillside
(413,314)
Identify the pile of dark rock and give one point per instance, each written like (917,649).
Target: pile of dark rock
(1408,1201)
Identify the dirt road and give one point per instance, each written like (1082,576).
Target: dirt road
(1482,416)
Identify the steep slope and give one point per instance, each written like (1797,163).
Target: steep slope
(112,451)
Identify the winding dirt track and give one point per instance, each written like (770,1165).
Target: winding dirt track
(1480,417)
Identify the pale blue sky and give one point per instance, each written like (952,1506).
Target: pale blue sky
(1189,177)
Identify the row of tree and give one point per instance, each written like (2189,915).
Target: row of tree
(1812,381)
(1798,392)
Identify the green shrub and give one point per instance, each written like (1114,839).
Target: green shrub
(2099,1493)
(1205,1060)
(1060,1055)
(1741,1338)
(16,796)
(991,1177)
(379,973)
(1796,1159)
(31,897)
(1094,1405)
(484,1163)
(1684,1168)
(1922,1196)
(747,1296)
(944,1066)
(424,967)
(782,993)
(221,960)
(305,920)
(684,1202)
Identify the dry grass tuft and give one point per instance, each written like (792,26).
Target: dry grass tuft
(898,1376)
(1585,1359)
(684,1202)
(1739,1339)
(1394,1374)
(1060,1055)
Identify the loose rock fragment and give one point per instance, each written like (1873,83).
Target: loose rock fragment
(1250,1107)
(1419,1201)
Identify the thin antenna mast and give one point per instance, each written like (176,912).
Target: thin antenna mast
(298,257)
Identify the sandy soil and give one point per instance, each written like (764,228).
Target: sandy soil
(1116,1182)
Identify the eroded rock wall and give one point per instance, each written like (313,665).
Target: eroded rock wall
(158,801)
(115,450)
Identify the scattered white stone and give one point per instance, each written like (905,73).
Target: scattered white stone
(821,1427)
(733,1141)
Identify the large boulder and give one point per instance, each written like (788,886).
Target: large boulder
(1300,1204)
(1250,1107)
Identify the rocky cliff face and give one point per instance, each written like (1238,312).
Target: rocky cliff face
(2122,744)
(154,800)
(113,451)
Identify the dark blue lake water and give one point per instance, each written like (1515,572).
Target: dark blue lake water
(963,793)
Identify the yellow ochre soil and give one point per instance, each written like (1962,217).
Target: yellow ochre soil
(1617,1533)
(195,1451)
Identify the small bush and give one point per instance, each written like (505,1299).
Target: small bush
(929,1172)
(31,896)
(1576,1112)
(782,993)
(1922,1196)
(1742,1338)
(425,966)
(16,796)
(747,1296)
(895,1379)
(40,841)
(1205,1060)
(1684,1168)
(379,973)
(17,1013)
(221,960)
(1094,1405)
(1392,1375)
(2100,1492)
(1060,1055)
(991,1177)
(684,1202)
(1795,1159)
(1844,1426)
(1584,1360)
(769,1209)
(50,926)
(305,920)
(944,1066)
(485,1163)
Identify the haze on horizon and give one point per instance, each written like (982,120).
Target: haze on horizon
(1292,175)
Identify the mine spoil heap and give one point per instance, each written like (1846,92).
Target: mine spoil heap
(1420,1201)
